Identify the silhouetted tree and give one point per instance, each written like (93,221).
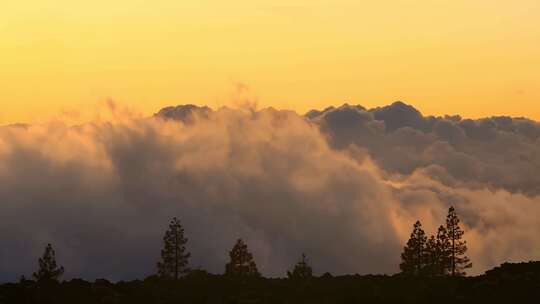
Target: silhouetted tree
(413,256)
(437,253)
(458,247)
(242,263)
(174,255)
(48,270)
(22,279)
(301,270)
(431,256)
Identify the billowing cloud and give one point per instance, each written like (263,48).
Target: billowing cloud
(497,152)
(343,185)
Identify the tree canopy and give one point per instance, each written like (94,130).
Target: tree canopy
(440,254)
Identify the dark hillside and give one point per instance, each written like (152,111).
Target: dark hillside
(517,283)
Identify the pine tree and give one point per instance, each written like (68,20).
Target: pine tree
(443,250)
(458,247)
(431,258)
(301,270)
(437,252)
(413,256)
(174,255)
(48,269)
(242,263)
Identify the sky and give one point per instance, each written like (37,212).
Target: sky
(474,58)
(285,182)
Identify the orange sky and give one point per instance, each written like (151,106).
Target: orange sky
(475,58)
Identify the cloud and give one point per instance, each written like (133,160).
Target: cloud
(498,152)
(103,192)
(399,115)
(185,113)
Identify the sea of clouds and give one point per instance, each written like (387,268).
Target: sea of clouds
(344,185)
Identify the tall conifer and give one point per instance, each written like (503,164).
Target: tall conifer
(48,269)
(241,263)
(458,247)
(174,255)
(413,256)
(437,253)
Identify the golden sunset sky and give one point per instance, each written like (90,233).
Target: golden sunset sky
(474,58)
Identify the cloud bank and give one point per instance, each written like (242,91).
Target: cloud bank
(343,185)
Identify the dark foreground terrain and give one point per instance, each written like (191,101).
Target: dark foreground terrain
(510,283)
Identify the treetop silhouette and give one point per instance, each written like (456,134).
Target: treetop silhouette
(302,270)
(241,261)
(48,269)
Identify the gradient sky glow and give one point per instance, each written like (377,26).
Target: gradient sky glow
(475,58)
